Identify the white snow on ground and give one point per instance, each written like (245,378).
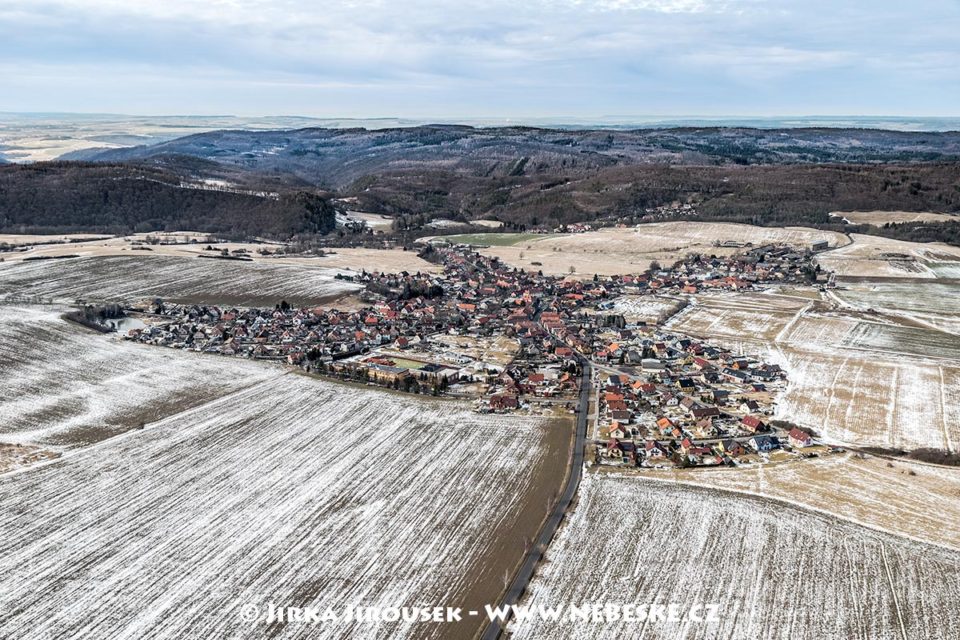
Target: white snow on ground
(296,491)
(128,278)
(907,498)
(854,398)
(648,308)
(933,304)
(777,571)
(67,386)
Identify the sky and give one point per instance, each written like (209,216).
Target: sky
(472,58)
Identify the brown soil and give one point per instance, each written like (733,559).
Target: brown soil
(507,545)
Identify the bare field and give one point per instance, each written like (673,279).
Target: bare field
(375,221)
(734,323)
(358,258)
(184,244)
(901,497)
(915,341)
(883,378)
(876,257)
(17,240)
(298,492)
(738,318)
(929,302)
(190,280)
(64,386)
(880,218)
(777,571)
(857,398)
(631,250)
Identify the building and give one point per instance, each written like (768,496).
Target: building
(798,438)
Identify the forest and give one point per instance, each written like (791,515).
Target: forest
(149,196)
(65,197)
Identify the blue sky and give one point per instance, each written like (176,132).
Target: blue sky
(471,58)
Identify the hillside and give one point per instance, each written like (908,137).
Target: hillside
(334,158)
(524,177)
(114,198)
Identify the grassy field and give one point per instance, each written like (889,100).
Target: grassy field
(497,239)
(775,570)
(294,491)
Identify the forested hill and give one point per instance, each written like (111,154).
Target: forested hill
(111,198)
(335,158)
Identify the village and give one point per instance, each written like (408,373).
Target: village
(516,341)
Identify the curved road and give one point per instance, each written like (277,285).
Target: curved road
(552,523)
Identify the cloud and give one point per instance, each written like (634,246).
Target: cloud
(489,56)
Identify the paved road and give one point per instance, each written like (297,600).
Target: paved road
(549,529)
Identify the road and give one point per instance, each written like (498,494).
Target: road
(552,523)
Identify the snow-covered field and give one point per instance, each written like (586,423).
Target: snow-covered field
(873,256)
(902,497)
(645,308)
(64,386)
(738,319)
(879,218)
(933,303)
(887,338)
(777,571)
(855,398)
(754,324)
(297,492)
(612,251)
(131,278)
(853,381)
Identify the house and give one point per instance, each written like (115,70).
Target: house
(504,401)
(695,452)
(624,452)
(654,449)
(753,424)
(763,444)
(749,406)
(706,429)
(719,396)
(619,431)
(798,438)
(732,448)
(616,405)
(699,412)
